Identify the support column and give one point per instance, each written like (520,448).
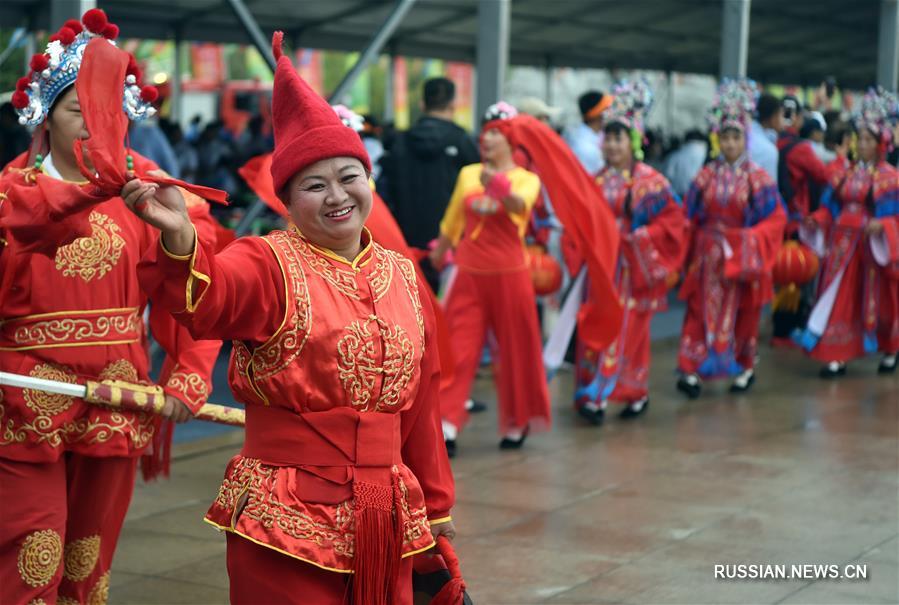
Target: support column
(389,92)
(734,38)
(262,44)
(177,75)
(888,45)
(63,10)
(548,81)
(492,53)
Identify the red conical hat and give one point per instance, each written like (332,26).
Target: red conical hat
(306,128)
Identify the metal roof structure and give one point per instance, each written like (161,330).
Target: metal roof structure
(799,42)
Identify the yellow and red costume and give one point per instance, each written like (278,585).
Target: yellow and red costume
(343,468)
(492,291)
(71,309)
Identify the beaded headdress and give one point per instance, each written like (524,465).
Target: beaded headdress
(733,106)
(500,111)
(630,105)
(349,117)
(879,112)
(54,70)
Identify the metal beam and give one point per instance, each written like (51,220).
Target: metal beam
(734,38)
(374,47)
(63,10)
(492,53)
(888,45)
(249,24)
(177,90)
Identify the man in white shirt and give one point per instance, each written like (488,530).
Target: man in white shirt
(585,139)
(763,133)
(682,166)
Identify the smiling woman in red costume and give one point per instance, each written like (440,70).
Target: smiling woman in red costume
(343,475)
(71,310)
(485,221)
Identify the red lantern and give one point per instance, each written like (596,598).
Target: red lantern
(545,271)
(795,264)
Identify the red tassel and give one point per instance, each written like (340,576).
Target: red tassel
(66,35)
(376,559)
(95,20)
(39,62)
(22,83)
(74,25)
(19,99)
(158,460)
(277,41)
(110,32)
(453,592)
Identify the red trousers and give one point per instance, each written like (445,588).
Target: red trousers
(262,576)
(59,524)
(504,304)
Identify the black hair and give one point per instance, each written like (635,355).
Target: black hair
(55,102)
(615,128)
(588,101)
(837,133)
(767,106)
(438,94)
(809,126)
(695,135)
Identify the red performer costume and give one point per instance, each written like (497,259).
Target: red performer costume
(343,470)
(492,290)
(857,311)
(737,219)
(653,230)
(71,309)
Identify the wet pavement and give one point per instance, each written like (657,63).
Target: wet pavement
(798,471)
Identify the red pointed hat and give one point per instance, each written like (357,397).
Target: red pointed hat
(307,129)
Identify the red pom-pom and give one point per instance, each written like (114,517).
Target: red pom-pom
(39,62)
(23,82)
(149,94)
(74,25)
(111,31)
(53,38)
(19,99)
(95,20)
(66,35)
(133,69)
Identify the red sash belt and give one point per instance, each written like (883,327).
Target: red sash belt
(342,454)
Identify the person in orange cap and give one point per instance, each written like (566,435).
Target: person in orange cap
(343,475)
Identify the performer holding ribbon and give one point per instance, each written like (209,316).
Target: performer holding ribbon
(856,232)
(737,218)
(343,475)
(653,230)
(71,310)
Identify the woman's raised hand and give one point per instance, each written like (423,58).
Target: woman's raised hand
(162,207)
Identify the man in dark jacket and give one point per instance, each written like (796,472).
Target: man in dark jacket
(419,169)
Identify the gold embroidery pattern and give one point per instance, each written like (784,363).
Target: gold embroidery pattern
(99,594)
(415,521)
(34,333)
(40,557)
(410,281)
(49,404)
(342,279)
(81,557)
(260,483)
(381,274)
(91,429)
(94,256)
(359,369)
(120,370)
(287,343)
(191,385)
(61,600)
(41,602)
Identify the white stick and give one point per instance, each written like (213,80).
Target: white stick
(40,384)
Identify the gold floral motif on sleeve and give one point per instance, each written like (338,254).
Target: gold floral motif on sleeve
(39,557)
(93,256)
(360,369)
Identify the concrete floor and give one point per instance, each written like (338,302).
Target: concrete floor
(798,471)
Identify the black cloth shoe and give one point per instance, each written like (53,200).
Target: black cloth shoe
(833,369)
(887,364)
(594,417)
(514,444)
(743,382)
(475,407)
(689,388)
(635,409)
(450,448)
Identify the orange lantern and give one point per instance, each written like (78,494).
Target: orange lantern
(545,271)
(795,264)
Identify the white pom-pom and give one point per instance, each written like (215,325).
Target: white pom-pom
(45,74)
(131,79)
(23,120)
